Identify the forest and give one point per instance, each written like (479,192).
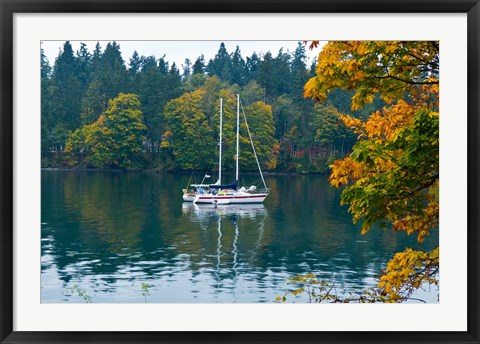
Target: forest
(98,111)
(367,112)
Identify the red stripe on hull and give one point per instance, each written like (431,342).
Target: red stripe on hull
(234,197)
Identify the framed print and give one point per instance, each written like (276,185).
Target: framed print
(239,172)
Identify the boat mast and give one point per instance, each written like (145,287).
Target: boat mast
(238,131)
(219,182)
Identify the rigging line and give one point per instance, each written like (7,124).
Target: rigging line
(253,147)
(191,176)
(212,163)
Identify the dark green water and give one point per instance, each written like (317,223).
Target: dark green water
(109,232)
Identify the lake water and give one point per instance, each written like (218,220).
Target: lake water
(109,233)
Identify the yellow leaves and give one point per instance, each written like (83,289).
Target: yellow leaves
(358,75)
(345,171)
(409,270)
(297,291)
(390,68)
(310,90)
(382,124)
(361,47)
(353,123)
(391,47)
(101,120)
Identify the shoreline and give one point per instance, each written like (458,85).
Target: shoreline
(158,171)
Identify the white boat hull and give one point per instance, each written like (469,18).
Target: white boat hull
(230,199)
(188,197)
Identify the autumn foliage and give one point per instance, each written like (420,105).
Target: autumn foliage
(114,140)
(391,178)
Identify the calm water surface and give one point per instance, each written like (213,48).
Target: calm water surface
(109,232)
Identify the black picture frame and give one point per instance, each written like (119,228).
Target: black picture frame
(10,7)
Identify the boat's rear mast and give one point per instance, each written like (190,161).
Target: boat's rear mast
(238,134)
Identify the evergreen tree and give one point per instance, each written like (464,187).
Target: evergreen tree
(46,115)
(266,76)
(45,69)
(148,85)
(110,79)
(221,64)
(284,115)
(281,74)
(78,89)
(135,64)
(238,68)
(252,65)
(187,69)
(199,65)
(163,66)
(67,94)
(96,57)
(300,74)
(83,58)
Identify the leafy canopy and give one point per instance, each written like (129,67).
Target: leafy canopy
(393,69)
(114,140)
(391,178)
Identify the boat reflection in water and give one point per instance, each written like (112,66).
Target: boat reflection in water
(232,265)
(200,212)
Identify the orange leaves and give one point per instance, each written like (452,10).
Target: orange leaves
(313,44)
(386,124)
(419,222)
(382,124)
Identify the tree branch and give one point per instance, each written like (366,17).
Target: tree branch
(407,81)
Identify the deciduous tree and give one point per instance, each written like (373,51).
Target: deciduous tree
(115,140)
(391,178)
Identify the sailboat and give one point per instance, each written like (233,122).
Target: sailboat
(230,193)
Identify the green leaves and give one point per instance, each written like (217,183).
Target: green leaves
(389,68)
(193,122)
(114,140)
(397,173)
(146,290)
(82,293)
(192,137)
